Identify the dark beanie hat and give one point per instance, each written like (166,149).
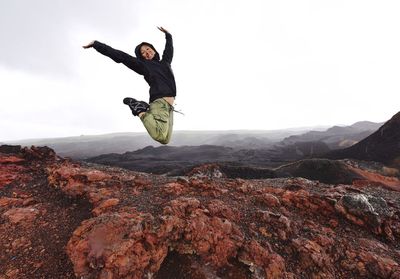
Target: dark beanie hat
(139,55)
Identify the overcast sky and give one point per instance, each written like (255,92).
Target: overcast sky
(238,64)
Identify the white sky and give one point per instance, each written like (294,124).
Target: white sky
(238,64)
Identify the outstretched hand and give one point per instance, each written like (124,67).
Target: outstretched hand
(163,30)
(89,45)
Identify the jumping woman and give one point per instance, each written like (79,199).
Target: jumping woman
(157,116)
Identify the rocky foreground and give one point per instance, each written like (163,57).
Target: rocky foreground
(63,219)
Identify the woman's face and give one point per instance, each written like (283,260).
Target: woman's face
(147,52)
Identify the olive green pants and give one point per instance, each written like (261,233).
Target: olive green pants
(158,120)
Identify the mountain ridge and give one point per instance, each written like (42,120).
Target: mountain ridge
(381,146)
(83,147)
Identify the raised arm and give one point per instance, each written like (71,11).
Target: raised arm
(118,56)
(169,48)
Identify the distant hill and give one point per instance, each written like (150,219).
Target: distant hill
(287,144)
(83,147)
(326,171)
(165,159)
(382,146)
(234,149)
(337,137)
(366,125)
(298,150)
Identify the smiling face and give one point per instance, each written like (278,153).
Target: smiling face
(147,52)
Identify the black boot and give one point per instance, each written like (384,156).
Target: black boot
(136,106)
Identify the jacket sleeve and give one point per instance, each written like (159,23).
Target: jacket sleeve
(169,49)
(120,57)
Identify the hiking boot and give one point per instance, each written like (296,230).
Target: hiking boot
(136,106)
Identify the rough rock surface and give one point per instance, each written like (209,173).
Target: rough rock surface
(36,221)
(61,219)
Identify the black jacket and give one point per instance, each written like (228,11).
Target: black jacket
(156,72)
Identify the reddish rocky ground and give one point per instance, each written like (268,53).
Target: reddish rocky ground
(63,219)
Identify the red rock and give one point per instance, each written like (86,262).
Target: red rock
(220,209)
(5,202)
(74,179)
(11,160)
(39,153)
(98,195)
(12,273)
(368,211)
(389,182)
(368,261)
(19,215)
(313,258)
(142,181)
(105,206)
(29,201)
(299,198)
(95,175)
(182,206)
(175,188)
(333,223)
(263,262)
(20,243)
(246,187)
(116,246)
(278,228)
(213,239)
(268,200)
(10,173)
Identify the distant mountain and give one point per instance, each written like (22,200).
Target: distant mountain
(242,141)
(165,159)
(268,142)
(367,125)
(83,147)
(382,146)
(87,146)
(337,137)
(298,150)
(245,149)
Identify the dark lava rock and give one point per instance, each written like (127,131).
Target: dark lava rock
(382,146)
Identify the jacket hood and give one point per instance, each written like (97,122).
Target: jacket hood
(139,55)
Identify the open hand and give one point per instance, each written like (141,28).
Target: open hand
(162,29)
(89,45)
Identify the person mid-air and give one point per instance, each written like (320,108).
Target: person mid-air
(157,116)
